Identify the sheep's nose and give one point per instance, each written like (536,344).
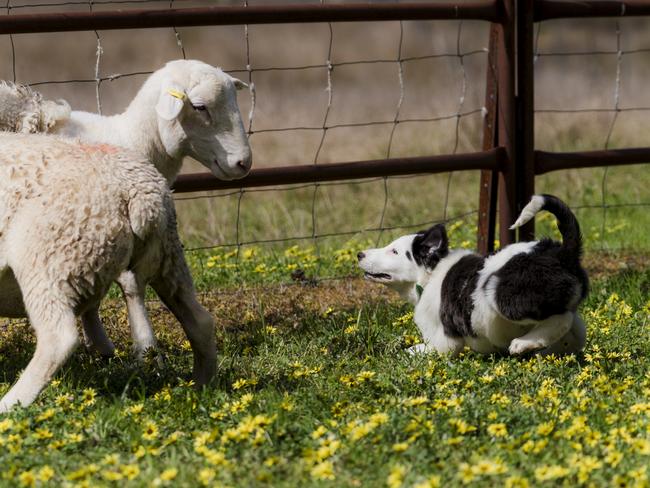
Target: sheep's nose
(360,256)
(245,164)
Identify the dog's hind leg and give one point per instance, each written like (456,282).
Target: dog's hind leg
(56,339)
(545,333)
(572,342)
(94,333)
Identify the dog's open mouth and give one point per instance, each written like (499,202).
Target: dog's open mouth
(377,276)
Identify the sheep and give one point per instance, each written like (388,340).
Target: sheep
(73,216)
(25,111)
(186,108)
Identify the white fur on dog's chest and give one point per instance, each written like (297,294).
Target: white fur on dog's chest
(427,310)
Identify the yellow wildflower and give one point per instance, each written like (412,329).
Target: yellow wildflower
(45,474)
(319,432)
(27,478)
(88,396)
(109,475)
(150,431)
(135,409)
(516,482)
(461,426)
(47,414)
(400,446)
(6,424)
(206,476)
(130,471)
(430,482)
(497,430)
(545,428)
(545,473)
(323,471)
(465,473)
(43,434)
(396,476)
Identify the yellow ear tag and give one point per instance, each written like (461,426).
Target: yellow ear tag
(177,94)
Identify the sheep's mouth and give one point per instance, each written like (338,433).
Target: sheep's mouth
(219,172)
(380,277)
(227,174)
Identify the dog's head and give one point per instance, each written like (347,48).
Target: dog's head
(402,263)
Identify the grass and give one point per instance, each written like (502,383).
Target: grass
(611,205)
(313,385)
(314,388)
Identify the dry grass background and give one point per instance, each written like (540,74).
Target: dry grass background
(362,93)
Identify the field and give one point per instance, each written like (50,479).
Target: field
(314,388)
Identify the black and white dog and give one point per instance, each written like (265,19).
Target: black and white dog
(521,299)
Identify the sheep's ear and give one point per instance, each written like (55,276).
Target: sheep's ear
(430,246)
(239,84)
(170,102)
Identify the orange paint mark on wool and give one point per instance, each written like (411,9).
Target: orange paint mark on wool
(102,148)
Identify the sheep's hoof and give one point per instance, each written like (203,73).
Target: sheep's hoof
(150,355)
(105,351)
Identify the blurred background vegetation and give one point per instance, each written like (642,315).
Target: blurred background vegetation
(590,77)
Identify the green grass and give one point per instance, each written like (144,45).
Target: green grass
(314,388)
(617,221)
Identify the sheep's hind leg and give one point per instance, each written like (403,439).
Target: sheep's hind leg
(141,328)
(179,296)
(56,340)
(95,337)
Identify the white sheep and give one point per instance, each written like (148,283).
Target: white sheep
(25,111)
(72,218)
(187,108)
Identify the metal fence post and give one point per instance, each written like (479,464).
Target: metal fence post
(525,127)
(489,179)
(506,122)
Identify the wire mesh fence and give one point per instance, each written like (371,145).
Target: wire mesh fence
(353,102)
(597,103)
(329,92)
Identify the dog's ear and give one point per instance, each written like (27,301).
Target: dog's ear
(430,246)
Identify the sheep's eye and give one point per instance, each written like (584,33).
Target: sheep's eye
(394,251)
(200,108)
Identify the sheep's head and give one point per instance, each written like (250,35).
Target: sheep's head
(199,117)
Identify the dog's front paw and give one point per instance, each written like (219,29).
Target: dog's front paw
(418,349)
(522,346)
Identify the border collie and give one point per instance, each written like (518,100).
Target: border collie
(523,298)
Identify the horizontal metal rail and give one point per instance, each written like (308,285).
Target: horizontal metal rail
(493,159)
(546,162)
(259,14)
(565,9)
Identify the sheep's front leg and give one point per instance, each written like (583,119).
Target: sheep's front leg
(141,328)
(178,294)
(56,340)
(95,337)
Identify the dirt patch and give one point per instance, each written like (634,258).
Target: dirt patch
(602,264)
(289,304)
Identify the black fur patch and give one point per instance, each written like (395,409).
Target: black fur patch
(408,256)
(430,246)
(456,304)
(541,283)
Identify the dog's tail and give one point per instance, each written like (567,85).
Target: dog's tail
(566,221)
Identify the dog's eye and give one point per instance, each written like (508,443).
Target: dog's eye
(200,108)
(394,251)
